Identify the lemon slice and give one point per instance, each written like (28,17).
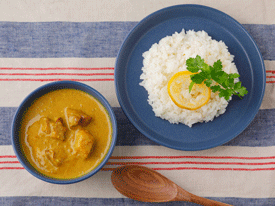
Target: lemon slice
(178,90)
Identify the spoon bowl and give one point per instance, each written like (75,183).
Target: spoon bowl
(146,185)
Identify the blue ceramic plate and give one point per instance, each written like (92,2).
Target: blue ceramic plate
(133,98)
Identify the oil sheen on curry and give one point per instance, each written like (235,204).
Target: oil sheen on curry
(66,133)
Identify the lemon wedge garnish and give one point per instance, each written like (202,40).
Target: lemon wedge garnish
(178,90)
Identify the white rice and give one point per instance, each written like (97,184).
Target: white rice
(168,57)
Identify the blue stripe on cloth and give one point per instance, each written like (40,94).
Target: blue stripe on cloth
(62,39)
(259,133)
(67,201)
(264,35)
(89,39)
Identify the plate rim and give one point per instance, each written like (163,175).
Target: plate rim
(212,10)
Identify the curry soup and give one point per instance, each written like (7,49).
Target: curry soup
(66,133)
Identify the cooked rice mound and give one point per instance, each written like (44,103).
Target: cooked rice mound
(168,57)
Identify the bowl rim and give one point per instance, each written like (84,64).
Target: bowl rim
(40,91)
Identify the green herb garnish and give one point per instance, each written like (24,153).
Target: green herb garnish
(211,74)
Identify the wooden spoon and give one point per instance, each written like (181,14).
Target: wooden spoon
(146,185)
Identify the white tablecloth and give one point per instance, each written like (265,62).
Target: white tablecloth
(45,41)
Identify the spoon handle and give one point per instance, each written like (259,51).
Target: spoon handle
(186,196)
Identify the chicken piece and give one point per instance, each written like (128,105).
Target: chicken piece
(45,125)
(54,158)
(59,130)
(53,129)
(77,117)
(84,142)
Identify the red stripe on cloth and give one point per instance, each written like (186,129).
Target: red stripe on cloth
(202,157)
(58,68)
(49,74)
(8,156)
(270,82)
(174,157)
(176,168)
(11,168)
(188,162)
(8,162)
(60,79)
(231,169)
(205,168)
(271,71)
(270,76)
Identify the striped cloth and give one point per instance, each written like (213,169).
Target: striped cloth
(45,41)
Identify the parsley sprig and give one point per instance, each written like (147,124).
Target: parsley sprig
(211,74)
